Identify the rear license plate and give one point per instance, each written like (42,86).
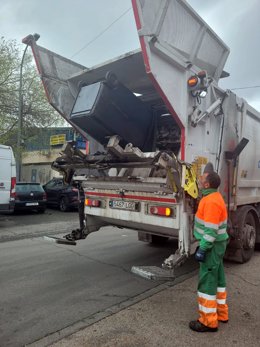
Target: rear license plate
(123,205)
(32,204)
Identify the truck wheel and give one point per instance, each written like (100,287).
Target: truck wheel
(64,206)
(247,232)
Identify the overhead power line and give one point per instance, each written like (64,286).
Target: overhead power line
(250,87)
(101,33)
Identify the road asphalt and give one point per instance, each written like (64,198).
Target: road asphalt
(162,319)
(10,232)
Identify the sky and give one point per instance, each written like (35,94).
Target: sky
(93,31)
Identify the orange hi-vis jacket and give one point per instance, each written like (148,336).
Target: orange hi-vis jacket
(211,219)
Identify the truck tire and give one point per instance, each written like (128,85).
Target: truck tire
(247,235)
(64,206)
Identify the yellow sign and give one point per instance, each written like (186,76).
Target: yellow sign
(57,139)
(190,184)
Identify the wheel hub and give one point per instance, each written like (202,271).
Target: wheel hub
(249,236)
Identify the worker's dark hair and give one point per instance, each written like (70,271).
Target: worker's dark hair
(208,168)
(213,179)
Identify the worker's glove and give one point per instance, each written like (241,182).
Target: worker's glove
(200,255)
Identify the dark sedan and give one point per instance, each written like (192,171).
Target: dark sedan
(61,195)
(29,197)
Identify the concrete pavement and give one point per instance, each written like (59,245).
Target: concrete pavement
(162,319)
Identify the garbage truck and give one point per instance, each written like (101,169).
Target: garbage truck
(154,118)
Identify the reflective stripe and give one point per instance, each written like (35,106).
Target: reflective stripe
(202,232)
(221,301)
(222,295)
(199,230)
(221,289)
(207,310)
(201,221)
(223,223)
(206,296)
(211,225)
(209,238)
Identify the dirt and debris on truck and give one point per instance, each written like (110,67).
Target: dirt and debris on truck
(155,117)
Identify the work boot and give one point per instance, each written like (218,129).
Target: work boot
(201,328)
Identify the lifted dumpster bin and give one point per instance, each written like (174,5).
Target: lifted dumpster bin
(103,109)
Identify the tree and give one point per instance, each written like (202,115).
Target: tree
(9,57)
(36,111)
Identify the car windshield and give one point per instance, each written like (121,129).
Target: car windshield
(55,183)
(28,188)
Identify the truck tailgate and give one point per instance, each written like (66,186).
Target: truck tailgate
(143,206)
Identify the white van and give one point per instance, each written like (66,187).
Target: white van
(7,179)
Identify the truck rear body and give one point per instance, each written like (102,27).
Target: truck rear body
(141,205)
(150,134)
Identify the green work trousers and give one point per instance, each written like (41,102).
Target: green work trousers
(211,274)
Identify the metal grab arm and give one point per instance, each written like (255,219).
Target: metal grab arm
(196,119)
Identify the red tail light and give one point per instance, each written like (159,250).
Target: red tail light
(161,211)
(44,196)
(13,182)
(12,190)
(91,202)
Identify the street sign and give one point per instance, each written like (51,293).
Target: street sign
(59,139)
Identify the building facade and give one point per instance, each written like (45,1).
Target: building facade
(42,149)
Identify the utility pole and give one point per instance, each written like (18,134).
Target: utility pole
(27,41)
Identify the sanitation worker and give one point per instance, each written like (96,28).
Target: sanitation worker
(210,230)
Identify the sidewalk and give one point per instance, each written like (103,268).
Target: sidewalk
(162,319)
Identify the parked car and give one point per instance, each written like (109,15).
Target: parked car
(29,196)
(61,195)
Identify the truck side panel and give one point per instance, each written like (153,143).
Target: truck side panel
(248,173)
